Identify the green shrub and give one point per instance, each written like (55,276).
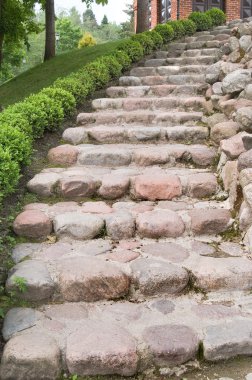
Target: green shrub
(178,28)
(133,49)
(73,85)
(9,173)
(99,72)
(18,144)
(86,80)
(52,108)
(156,38)
(123,59)
(218,17)
(202,20)
(145,40)
(36,117)
(166,32)
(64,97)
(114,67)
(16,120)
(189,26)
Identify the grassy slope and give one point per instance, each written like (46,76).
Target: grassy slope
(45,74)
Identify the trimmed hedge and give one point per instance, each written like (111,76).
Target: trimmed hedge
(217,16)
(166,32)
(25,121)
(202,20)
(178,28)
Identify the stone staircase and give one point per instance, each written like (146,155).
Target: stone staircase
(127,264)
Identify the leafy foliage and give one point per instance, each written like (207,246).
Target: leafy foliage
(87,40)
(166,32)
(145,40)
(9,173)
(123,59)
(218,17)
(189,26)
(19,144)
(69,35)
(133,49)
(202,20)
(178,28)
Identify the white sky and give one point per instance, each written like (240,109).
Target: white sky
(114,10)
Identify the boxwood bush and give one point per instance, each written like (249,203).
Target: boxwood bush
(18,143)
(202,20)
(166,32)
(64,97)
(178,28)
(217,16)
(114,67)
(9,173)
(156,38)
(189,27)
(133,48)
(123,59)
(146,41)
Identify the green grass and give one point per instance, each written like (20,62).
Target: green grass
(44,75)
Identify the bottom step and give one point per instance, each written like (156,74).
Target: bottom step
(123,338)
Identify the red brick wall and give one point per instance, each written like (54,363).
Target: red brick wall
(232,9)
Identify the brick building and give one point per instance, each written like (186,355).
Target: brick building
(163,10)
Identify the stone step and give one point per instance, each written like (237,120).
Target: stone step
(146,117)
(125,220)
(116,155)
(201,60)
(162,79)
(106,134)
(195,103)
(206,52)
(118,338)
(137,183)
(167,70)
(156,90)
(180,47)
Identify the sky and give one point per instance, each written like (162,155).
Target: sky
(114,10)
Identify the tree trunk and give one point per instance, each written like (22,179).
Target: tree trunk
(1,32)
(1,49)
(50,30)
(142,16)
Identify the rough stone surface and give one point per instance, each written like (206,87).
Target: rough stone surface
(101,348)
(244,117)
(211,221)
(233,146)
(63,155)
(32,224)
(38,283)
(90,280)
(156,224)
(224,130)
(157,188)
(120,225)
(202,185)
(19,319)
(154,277)
(236,81)
(228,340)
(31,356)
(78,225)
(245,160)
(171,345)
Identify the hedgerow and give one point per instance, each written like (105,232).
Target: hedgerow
(25,121)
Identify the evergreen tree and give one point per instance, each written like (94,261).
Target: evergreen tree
(104,20)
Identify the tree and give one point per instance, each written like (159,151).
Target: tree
(75,17)
(128,26)
(69,34)
(50,44)
(104,20)
(17,20)
(89,19)
(142,16)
